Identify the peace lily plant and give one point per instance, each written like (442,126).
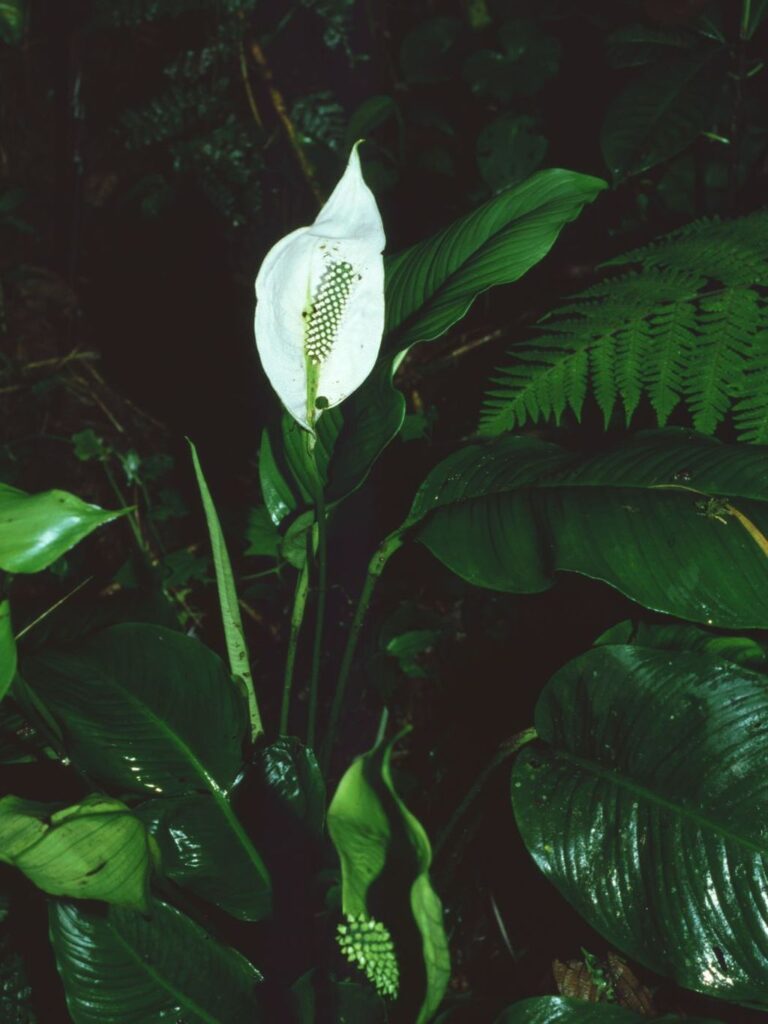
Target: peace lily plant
(320,302)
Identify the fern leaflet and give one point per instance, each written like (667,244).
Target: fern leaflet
(688,325)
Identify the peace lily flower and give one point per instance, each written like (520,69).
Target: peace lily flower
(320,302)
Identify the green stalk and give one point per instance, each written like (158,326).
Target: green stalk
(321,559)
(130,515)
(386,549)
(297,617)
(746,13)
(507,749)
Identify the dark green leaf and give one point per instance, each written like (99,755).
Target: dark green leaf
(554,1010)
(645,802)
(432,285)
(199,852)
(681,636)
(36,529)
(123,966)
(661,112)
(529,58)
(7,649)
(385,856)
(147,710)
(636,45)
(674,520)
(261,534)
(428,52)
(94,850)
(12,15)
(509,149)
(293,784)
(314,1000)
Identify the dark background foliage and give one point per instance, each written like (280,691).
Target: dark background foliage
(150,153)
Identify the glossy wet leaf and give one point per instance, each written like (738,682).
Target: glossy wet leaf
(293,784)
(674,520)
(556,1010)
(8,656)
(96,849)
(682,636)
(645,803)
(385,856)
(199,851)
(123,966)
(148,711)
(661,112)
(36,529)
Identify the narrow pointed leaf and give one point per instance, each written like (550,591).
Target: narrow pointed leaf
(123,966)
(234,634)
(645,802)
(36,529)
(8,655)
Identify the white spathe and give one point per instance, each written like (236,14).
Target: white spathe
(320,302)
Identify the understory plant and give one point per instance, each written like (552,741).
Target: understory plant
(214,865)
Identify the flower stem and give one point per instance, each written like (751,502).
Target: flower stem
(386,549)
(321,559)
(297,617)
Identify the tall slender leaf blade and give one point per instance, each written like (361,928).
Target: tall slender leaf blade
(234,633)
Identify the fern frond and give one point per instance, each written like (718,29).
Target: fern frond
(733,252)
(690,324)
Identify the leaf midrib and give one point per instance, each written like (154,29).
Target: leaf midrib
(181,998)
(211,785)
(399,330)
(638,789)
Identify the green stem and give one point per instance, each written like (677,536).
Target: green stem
(321,559)
(507,749)
(297,617)
(386,549)
(124,505)
(746,14)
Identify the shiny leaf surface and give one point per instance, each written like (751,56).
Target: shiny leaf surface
(36,529)
(645,802)
(554,1010)
(149,711)
(123,966)
(674,520)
